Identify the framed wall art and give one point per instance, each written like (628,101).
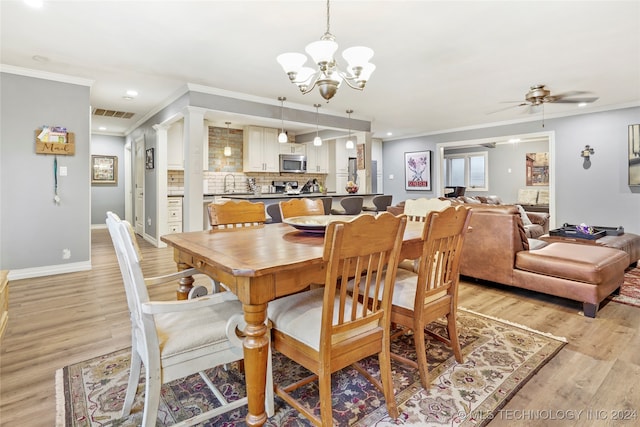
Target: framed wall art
(149,162)
(104,170)
(537,167)
(417,170)
(634,155)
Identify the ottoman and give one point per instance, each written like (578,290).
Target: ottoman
(585,273)
(628,242)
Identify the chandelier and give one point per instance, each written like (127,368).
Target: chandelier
(328,77)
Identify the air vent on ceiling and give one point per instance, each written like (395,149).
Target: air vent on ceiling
(112,113)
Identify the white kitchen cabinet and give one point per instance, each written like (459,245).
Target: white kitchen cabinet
(317,158)
(289,148)
(175,147)
(342,155)
(174,214)
(260,149)
(175,152)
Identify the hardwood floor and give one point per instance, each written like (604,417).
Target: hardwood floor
(58,320)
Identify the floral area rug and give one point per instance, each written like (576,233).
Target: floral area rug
(499,358)
(630,289)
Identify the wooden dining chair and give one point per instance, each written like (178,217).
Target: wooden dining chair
(350,206)
(301,207)
(175,339)
(328,329)
(431,293)
(418,209)
(232,214)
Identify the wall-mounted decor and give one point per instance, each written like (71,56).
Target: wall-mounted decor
(149,163)
(104,170)
(360,156)
(634,155)
(417,170)
(55,140)
(537,165)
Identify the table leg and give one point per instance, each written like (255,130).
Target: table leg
(256,352)
(185,284)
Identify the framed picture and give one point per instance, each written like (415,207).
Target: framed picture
(537,167)
(360,156)
(634,155)
(104,170)
(417,170)
(149,158)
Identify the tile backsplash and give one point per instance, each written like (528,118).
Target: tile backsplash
(213,182)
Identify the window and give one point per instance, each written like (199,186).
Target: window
(467,170)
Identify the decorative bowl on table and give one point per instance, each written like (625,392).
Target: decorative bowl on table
(316,224)
(351,187)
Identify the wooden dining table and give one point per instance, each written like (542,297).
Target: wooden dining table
(260,264)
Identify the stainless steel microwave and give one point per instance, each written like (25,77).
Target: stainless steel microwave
(293,163)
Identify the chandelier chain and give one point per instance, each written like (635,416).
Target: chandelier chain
(328,21)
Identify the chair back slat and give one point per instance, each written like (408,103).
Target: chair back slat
(301,207)
(234,214)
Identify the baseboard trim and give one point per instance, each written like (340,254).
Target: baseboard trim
(49,270)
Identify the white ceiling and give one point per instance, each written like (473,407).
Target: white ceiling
(441,65)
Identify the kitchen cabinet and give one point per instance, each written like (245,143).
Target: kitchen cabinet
(175,147)
(260,150)
(289,148)
(317,158)
(174,209)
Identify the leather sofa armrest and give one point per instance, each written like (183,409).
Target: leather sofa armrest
(540,218)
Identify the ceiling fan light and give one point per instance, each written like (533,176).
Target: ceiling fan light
(291,62)
(322,51)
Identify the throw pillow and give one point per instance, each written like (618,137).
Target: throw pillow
(543,197)
(527,197)
(523,216)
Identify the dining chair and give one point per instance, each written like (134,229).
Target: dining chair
(175,339)
(327,329)
(418,209)
(350,206)
(431,293)
(301,207)
(380,203)
(273,210)
(232,214)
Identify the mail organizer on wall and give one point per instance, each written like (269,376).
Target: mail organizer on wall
(55,140)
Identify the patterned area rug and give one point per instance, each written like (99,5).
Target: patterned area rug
(630,289)
(499,358)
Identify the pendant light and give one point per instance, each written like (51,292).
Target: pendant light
(317,141)
(350,144)
(227,148)
(282,138)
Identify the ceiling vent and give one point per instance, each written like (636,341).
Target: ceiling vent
(112,113)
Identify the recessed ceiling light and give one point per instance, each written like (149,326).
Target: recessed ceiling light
(102,128)
(132,93)
(582,104)
(389,133)
(514,140)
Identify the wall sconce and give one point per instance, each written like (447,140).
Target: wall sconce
(587,152)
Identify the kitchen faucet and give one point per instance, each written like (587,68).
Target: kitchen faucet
(233,180)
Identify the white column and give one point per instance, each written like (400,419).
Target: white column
(192,204)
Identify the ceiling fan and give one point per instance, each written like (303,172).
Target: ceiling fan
(539,95)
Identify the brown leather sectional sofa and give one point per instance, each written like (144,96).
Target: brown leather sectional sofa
(496,249)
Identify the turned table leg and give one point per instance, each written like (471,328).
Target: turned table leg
(256,353)
(185,284)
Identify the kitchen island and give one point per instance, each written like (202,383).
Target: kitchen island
(270,198)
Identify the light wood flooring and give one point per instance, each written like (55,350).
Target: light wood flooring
(59,320)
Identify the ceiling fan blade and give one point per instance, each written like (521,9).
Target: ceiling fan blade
(574,100)
(570,93)
(507,108)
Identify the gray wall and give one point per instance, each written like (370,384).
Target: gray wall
(34,230)
(599,195)
(108,197)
